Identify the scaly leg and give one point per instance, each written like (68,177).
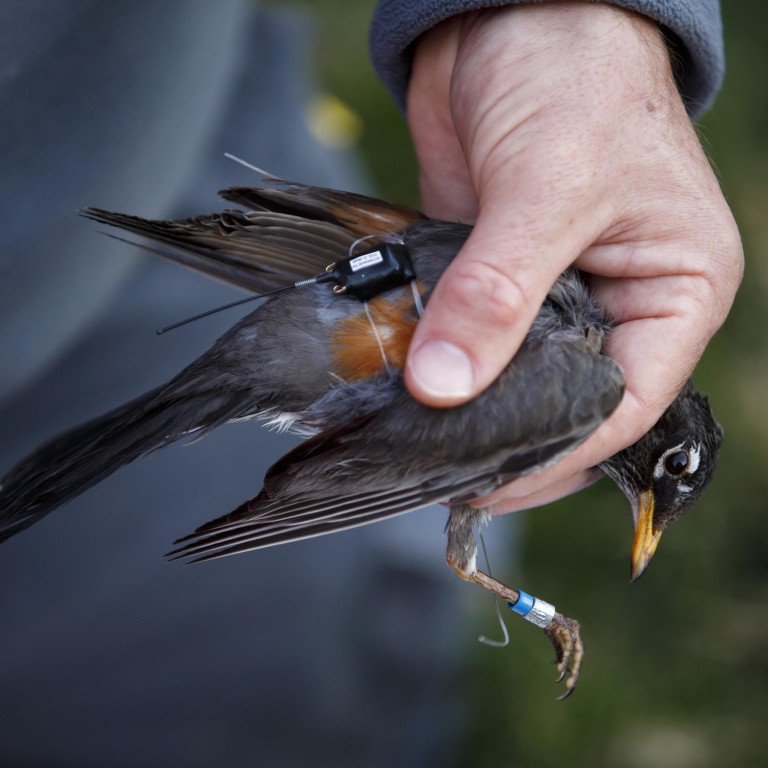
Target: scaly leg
(563,633)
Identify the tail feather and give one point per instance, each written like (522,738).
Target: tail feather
(72,462)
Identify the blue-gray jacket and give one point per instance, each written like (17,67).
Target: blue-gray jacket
(693,29)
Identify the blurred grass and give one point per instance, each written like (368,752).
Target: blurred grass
(677,671)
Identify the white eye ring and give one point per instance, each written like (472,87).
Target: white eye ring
(694,459)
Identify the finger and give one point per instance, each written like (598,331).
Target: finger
(486,300)
(652,384)
(626,425)
(508,498)
(664,323)
(446,193)
(446,188)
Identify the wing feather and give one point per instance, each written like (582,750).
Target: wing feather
(291,232)
(256,251)
(262,525)
(358,213)
(373,468)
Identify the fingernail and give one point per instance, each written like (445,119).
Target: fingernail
(442,370)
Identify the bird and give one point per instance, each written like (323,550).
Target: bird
(323,356)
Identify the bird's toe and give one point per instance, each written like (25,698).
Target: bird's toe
(565,636)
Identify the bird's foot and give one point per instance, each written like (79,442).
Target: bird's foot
(565,636)
(563,633)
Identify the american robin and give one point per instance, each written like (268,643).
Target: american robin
(318,360)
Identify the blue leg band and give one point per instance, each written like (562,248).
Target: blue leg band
(524,603)
(538,612)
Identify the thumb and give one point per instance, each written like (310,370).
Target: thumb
(485,302)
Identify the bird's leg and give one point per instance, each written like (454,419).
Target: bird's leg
(563,633)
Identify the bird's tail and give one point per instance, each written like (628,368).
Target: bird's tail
(69,464)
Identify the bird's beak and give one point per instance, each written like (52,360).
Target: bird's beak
(646,536)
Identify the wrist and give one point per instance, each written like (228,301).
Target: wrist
(569,47)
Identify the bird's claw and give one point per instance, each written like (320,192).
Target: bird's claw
(565,636)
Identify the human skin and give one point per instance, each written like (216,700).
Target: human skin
(557,128)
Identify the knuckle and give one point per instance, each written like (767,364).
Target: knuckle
(704,305)
(723,270)
(480,288)
(733,251)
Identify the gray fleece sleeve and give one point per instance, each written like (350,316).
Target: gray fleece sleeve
(693,28)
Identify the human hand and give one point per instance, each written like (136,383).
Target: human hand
(558,129)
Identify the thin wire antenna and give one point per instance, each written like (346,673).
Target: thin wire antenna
(377,235)
(483,639)
(237,303)
(153,249)
(240,160)
(352,247)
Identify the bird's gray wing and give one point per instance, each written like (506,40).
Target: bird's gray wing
(292,232)
(255,250)
(267,520)
(360,214)
(408,455)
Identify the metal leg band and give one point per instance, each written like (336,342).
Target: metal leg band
(538,612)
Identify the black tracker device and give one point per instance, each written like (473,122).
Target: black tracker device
(373,272)
(363,276)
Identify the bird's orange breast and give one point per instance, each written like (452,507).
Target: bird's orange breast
(359,350)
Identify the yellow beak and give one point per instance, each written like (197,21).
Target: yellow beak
(646,538)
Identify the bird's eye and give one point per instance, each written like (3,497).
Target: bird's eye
(676,463)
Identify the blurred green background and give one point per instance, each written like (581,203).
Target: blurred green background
(677,667)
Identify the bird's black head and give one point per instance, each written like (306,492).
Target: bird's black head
(665,472)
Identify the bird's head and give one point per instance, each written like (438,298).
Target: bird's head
(665,472)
